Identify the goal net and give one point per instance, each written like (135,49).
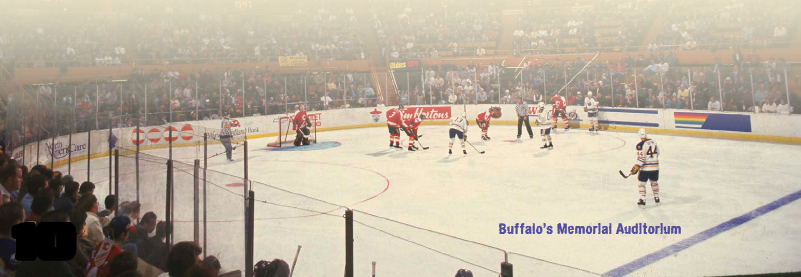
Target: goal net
(286,132)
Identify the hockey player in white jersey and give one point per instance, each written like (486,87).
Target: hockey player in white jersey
(458,129)
(545,123)
(591,107)
(648,167)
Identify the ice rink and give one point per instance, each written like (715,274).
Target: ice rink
(704,183)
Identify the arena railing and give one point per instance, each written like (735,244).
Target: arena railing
(313,59)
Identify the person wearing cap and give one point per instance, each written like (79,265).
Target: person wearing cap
(109,248)
(226,135)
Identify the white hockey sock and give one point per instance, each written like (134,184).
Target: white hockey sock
(642,190)
(655,188)
(549,138)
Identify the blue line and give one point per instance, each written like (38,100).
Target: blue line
(629,123)
(628,111)
(700,237)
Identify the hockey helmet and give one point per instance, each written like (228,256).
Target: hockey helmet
(464,273)
(589,94)
(642,133)
(422,116)
(495,112)
(401,107)
(542,104)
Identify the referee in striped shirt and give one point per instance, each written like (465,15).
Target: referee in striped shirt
(522,116)
(226,135)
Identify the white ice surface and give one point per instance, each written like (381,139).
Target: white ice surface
(703,183)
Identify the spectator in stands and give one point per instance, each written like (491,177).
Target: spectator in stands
(274,268)
(41,204)
(182,257)
(94,224)
(10,214)
(130,209)
(111,206)
(122,263)
(87,188)
(211,266)
(108,249)
(68,198)
(83,249)
(783,108)
(47,268)
(10,180)
(144,228)
(713,105)
(56,185)
(36,182)
(769,106)
(154,250)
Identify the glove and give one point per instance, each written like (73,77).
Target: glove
(465,137)
(635,169)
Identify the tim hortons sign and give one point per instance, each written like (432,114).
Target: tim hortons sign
(431,113)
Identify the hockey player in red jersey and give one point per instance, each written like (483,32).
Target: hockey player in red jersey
(413,123)
(483,120)
(301,123)
(558,110)
(394,123)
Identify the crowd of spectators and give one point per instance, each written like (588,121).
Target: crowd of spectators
(415,29)
(659,83)
(614,26)
(109,242)
(722,24)
(159,97)
(150,37)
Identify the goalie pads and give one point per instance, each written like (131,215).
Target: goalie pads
(635,169)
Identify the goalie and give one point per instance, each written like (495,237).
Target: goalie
(301,122)
(483,120)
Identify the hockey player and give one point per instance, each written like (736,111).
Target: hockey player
(591,107)
(647,166)
(411,130)
(558,109)
(458,129)
(483,120)
(545,131)
(301,122)
(394,123)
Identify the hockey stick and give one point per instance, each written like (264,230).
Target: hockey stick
(373,269)
(292,270)
(471,145)
(417,139)
(624,175)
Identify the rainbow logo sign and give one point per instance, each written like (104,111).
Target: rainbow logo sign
(690,120)
(713,121)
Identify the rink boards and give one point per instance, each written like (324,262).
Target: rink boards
(741,126)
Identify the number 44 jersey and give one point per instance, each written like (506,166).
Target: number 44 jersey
(648,155)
